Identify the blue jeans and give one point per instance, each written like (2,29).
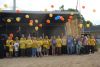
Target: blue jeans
(34,50)
(69,49)
(78,47)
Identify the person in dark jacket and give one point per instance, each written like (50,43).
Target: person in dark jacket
(1,48)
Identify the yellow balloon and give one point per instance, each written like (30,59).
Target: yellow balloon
(50,15)
(18,19)
(87,25)
(36,21)
(27,16)
(36,28)
(5,5)
(8,20)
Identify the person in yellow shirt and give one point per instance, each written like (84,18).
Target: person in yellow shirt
(29,47)
(22,46)
(92,44)
(8,41)
(11,48)
(46,46)
(34,46)
(58,45)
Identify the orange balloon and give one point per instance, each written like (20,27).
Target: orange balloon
(61,18)
(48,21)
(17,11)
(30,24)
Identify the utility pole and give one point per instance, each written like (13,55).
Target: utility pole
(14,5)
(77,5)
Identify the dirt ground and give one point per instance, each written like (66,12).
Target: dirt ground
(91,60)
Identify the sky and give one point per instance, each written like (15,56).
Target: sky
(41,5)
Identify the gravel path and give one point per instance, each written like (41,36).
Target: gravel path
(91,60)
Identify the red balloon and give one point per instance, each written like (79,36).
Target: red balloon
(40,25)
(17,11)
(52,6)
(94,10)
(48,21)
(31,21)
(83,7)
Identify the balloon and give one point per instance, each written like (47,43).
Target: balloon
(70,17)
(36,21)
(26,16)
(94,10)
(5,5)
(61,18)
(30,24)
(50,15)
(31,21)
(8,20)
(52,6)
(36,28)
(88,25)
(18,11)
(18,19)
(83,7)
(48,21)
(40,25)
(57,17)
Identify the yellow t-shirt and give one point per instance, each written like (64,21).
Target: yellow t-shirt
(8,42)
(34,45)
(59,42)
(22,44)
(11,48)
(46,44)
(92,42)
(29,43)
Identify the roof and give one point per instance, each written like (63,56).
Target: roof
(42,12)
(93,29)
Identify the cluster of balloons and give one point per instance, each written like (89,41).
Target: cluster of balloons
(59,18)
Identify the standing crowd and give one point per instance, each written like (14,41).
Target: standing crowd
(38,47)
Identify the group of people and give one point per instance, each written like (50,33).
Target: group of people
(39,46)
